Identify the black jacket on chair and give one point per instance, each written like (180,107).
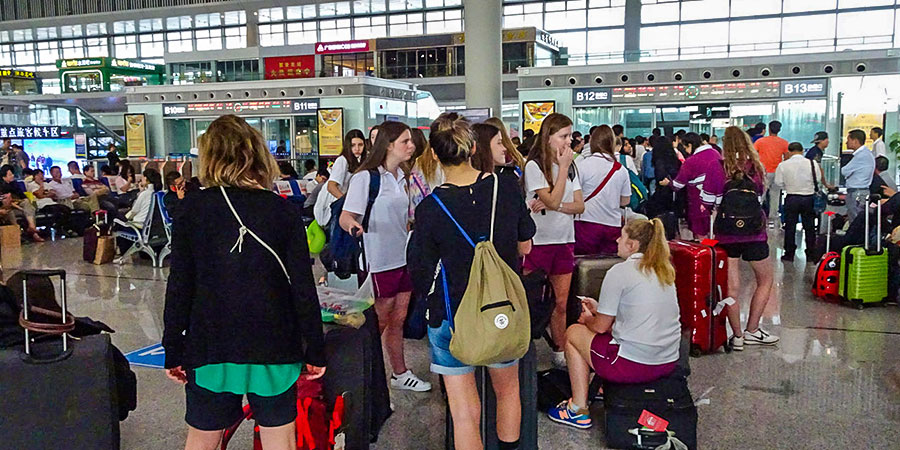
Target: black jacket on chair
(237,306)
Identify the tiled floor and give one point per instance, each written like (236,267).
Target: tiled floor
(832,382)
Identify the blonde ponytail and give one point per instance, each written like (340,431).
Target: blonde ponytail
(651,235)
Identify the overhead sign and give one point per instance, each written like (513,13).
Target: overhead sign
(590,96)
(696,92)
(16,73)
(329,48)
(283,67)
(136,135)
(153,356)
(475,115)
(241,108)
(29,132)
(804,88)
(127,64)
(76,63)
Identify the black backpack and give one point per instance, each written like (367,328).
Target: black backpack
(740,210)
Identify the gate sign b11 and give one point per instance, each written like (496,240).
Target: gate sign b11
(591,96)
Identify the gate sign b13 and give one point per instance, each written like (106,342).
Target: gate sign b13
(803,88)
(590,96)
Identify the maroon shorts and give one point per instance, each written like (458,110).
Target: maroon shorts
(554,259)
(610,367)
(389,283)
(594,238)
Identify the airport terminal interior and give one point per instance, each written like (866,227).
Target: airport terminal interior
(731,164)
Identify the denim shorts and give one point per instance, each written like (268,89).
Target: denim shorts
(443,362)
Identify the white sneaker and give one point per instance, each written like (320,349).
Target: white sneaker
(760,337)
(559,360)
(410,382)
(737,343)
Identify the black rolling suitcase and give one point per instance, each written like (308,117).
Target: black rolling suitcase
(356,370)
(58,394)
(528,437)
(93,234)
(668,398)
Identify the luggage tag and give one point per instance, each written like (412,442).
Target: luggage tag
(721,305)
(709,242)
(652,421)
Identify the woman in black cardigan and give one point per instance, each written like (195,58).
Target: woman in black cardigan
(665,166)
(242,315)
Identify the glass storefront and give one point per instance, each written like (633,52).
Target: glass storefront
(286,137)
(238,70)
(447,61)
(278,137)
(83,81)
(348,65)
(192,72)
(306,140)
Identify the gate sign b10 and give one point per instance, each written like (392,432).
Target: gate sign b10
(591,96)
(803,88)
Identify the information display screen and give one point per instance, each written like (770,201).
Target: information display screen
(697,92)
(46,153)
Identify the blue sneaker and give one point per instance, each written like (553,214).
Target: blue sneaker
(562,414)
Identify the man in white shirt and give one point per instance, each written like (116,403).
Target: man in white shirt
(877,135)
(64,192)
(799,178)
(639,151)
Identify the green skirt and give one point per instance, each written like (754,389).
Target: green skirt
(266,380)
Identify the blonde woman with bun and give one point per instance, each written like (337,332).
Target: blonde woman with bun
(631,333)
(469,196)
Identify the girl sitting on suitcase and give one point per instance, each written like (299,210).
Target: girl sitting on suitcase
(631,334)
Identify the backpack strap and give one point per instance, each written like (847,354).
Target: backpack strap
(374,189)
(609,175)
(812,167)
(239,244)
(458,226)
(448,311)
(494,205)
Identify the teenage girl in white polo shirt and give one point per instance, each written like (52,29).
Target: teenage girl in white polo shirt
(554,192)
(631,333)
(385,240)
(352,155)
(598,228)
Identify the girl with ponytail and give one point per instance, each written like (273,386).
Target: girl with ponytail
(631,333)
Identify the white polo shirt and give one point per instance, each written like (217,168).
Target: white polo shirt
(647,325)
(385,241)
(340,174)
(553,227)
(795,175)
(605,207)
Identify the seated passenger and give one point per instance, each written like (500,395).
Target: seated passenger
(63,192)
(287,171)
(310,202)
(75,170)
(15,203)
(631,334)
(137,215)
(44,202)
(126,186)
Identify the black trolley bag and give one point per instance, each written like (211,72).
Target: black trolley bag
(53,397)
(528,432)
(668,398)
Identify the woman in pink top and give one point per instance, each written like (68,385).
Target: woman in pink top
(703,166)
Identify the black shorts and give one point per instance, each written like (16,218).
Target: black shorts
(748,251)
(213,411)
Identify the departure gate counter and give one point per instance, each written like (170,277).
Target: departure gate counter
(298,118)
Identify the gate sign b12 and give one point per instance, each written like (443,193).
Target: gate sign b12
(591,96)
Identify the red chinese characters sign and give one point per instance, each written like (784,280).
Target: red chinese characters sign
(281,67)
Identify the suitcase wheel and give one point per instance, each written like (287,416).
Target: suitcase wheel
(728,347)
(859,306)
(695,350)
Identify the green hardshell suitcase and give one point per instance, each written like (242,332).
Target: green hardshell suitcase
(864,271)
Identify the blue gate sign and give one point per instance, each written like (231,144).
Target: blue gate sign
(153,356)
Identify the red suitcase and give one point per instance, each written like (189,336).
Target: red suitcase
(828,273)
(701,281)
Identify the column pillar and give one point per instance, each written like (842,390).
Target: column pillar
(484,54)
(252,29)
(632,30)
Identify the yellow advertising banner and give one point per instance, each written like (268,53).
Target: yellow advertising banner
(331,131)
(863,122)
(534,113)
(136,135)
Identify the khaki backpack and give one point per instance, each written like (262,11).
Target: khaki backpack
(492,324)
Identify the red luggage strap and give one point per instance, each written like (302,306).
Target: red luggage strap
(615,168)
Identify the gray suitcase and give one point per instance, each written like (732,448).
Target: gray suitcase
(589,274)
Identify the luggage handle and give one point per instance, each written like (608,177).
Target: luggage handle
(873,198)
(26,274)
(98,213)
(830,215)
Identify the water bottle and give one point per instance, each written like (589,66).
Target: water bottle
(52,234)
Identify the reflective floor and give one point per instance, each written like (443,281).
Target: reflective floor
(832,382)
